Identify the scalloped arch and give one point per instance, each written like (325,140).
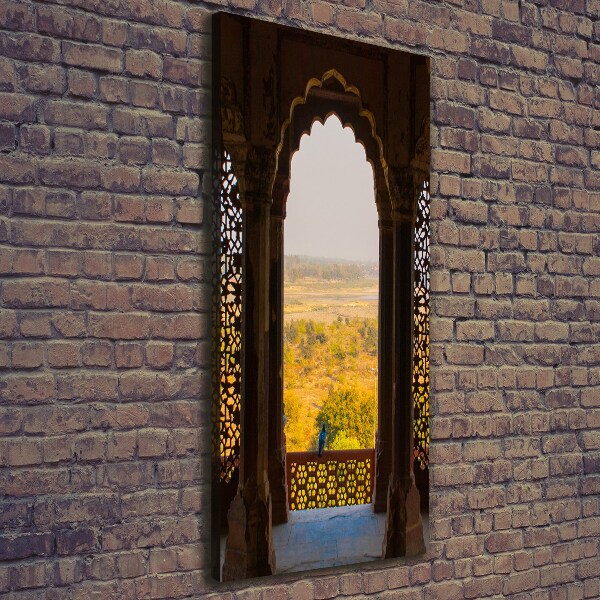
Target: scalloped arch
(363,112)
(322,120)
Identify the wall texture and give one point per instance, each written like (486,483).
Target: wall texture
(104,124)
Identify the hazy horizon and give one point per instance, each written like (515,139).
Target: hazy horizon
(331,210)
(330,258)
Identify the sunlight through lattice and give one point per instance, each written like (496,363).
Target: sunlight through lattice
(230,320)
(339,478)
(421,335)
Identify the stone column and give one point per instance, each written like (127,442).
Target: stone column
(383,455)
(277,472)
(404,528)
(249,550)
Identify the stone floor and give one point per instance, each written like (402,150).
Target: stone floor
(329,537)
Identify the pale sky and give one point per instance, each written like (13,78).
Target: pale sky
(331,206)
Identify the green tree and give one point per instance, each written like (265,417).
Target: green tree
(349,417)
(343,442)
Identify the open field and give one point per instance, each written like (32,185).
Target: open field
(330,341)
(325,301)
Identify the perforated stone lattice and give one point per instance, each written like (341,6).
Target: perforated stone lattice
(317,490)
(230,320)
(421,333)
(325,483)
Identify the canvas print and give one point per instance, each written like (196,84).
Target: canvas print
(321,328)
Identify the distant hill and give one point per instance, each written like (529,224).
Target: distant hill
(298,268)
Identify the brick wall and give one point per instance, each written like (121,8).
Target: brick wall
(104,123)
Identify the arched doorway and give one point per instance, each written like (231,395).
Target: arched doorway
(330,367)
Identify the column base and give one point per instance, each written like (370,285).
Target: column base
(403,526)
(249,550)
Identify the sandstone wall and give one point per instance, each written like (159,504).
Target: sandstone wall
(104,296)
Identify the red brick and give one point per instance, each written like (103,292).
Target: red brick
(159,356)
(30,47)
(101,145)
(321,13)
(186,72)
(128,266)
(159,210)
(448,40)
(61,22)
(159,269)
(97,354)
(70,173)
(82,83)
(16,170)
(63,355)
(170,182)
(60,204)
(48,79)
(76,114)
(159,39)
(144,94)
(190,269)
(190,212)
(359,22)
(137,122)
(35,389)
(131,564)
(35,293)
(116,178)
(17,16)
(68,142)
(114,89)
(142,63)
(26,545)
(35,139)
(27,355)
(166,152)
(451,161)
(8,136)
(129,355)
(120,327)
(93,57)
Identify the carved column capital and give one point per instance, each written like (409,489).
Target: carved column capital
(386,224)
(403,194)
(259,175)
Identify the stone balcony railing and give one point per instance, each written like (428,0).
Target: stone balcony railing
(337,478)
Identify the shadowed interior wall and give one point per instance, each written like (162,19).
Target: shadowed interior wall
(105,305)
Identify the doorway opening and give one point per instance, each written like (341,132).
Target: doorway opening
(331,297)
(330,350)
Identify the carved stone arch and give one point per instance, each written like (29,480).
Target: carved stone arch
(331,94)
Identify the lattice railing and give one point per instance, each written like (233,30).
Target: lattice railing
(338,478)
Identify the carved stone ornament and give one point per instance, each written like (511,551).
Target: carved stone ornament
(423,145)
(403,193)
(270,103)
(259,174)
(232,120)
